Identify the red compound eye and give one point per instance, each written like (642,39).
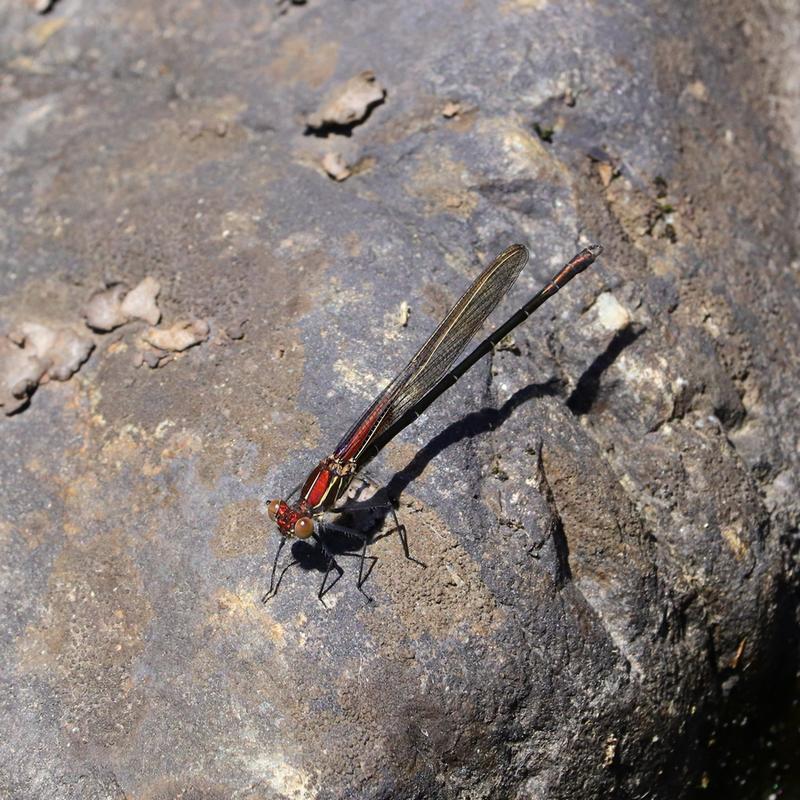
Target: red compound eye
(272,509)
(303,528)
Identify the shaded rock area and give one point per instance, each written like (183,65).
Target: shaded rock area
(607,506)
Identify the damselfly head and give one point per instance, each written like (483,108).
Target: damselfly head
(290,521)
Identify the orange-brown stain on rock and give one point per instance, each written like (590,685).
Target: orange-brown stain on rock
(84,644)
(192,786)
(242,609)
(352,242)
(400,454)
(734,541)
(243,529)
(237,620)
(81,497)
(465,121)
(182,444)
(121,450)
(522,6)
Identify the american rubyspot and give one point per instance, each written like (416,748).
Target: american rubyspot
(424,378)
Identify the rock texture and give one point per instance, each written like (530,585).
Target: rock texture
(606,507)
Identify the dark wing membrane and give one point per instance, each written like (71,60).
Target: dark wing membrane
(437,355)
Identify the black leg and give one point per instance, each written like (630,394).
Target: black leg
(358,507)
(401,532)
(274,567)
(361,576)
(398,526)
(368,479)
(330,565)
(362,556)
(268,596)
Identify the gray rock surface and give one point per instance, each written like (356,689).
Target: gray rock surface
(606,507)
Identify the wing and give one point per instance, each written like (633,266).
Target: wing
(437,355)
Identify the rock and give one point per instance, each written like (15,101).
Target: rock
(451,109)
(104,311)
(611,314)
(63,350)
(608,512)
(42,6)
(335,165)
(153,358)
(235,330)
(140,302)
(348,104)
(33,353)
(179,336)
(20,373)
(114,306)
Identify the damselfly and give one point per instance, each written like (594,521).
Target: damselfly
(424,378)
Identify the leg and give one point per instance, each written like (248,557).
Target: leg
(330,565)
(358,507)
(351,508)
(274,567)
(369,480)
(398,526)
(268,596)
(362,556)
(402,533)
